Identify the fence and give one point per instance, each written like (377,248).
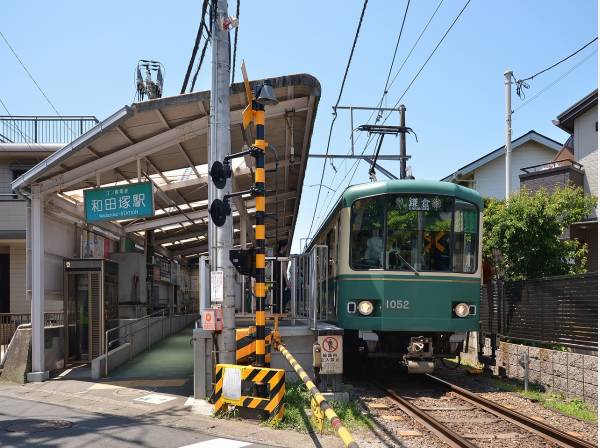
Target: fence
(553,311)
(10,321)
(44,129)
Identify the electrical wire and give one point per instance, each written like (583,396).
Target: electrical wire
(522,84)
(389,86)
(356,163)
(208,39)
(195,49)
(556,81)
(235,41)
(362,14)
(34,81)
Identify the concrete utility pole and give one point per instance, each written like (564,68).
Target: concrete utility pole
(508,128)
(402,142)
(221,238)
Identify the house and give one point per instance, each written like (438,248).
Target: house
(24,142)
(575,164)
(487,174)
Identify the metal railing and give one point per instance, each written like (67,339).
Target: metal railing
(44,129)
(9,322)
(554,164)
(309,285)
(129,335)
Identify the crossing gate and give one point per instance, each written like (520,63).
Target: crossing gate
(245,339)
(249,387)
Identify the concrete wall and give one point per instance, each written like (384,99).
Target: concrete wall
(586,148)
(489,178)
(570,374)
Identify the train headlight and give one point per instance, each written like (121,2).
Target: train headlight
(365,307)
(461,309)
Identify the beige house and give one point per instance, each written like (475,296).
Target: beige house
(24,142)
(486,174)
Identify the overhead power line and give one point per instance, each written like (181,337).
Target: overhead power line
(211,13)
(195,49)
(33,79)
(556,81)
(521,84)
(235,41)
(362,14)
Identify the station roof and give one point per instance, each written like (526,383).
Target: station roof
(170,139)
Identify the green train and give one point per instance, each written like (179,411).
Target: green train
(404,268)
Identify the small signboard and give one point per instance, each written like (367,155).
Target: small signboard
(331,354)
(119,202)
(216,286)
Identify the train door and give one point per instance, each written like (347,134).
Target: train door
(332,250)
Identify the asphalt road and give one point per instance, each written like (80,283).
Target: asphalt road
(25,423)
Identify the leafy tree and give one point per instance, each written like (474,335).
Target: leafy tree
(524,237)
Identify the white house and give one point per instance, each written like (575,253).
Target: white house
(486,174)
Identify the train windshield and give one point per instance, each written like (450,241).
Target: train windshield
(414,232)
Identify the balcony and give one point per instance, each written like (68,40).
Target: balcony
(44,129)
(13,215)
(552,175)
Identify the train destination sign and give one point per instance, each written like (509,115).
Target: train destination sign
(119,202)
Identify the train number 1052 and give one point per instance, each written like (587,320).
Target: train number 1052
(397,304)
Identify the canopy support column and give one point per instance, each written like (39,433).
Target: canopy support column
(38,372)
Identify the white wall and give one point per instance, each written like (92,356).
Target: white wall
(489,178)
(18,304)
(586,148)
(59,240)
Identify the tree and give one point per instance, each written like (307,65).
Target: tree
(524,237)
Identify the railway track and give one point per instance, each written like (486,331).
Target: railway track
(508,424)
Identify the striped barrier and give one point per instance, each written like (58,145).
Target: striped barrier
(330,414)
(249,387)
(245,339)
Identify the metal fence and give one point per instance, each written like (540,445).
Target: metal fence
(309,285)
(552,311)
(10,321)
(44,129)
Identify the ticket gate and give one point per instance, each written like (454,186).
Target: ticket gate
(91,306)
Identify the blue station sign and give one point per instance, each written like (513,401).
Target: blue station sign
(119,202)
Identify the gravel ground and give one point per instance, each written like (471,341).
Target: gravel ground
(392,428)
(484,385)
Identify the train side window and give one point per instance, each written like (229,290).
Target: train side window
(366,234)
(464,255)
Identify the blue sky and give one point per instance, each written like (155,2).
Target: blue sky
(83,55)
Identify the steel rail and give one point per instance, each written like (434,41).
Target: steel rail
(545,431)
(444,433)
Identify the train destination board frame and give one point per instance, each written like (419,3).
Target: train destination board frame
(119,202)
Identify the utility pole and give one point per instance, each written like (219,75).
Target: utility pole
(508,128)
(221,238)
(402,142)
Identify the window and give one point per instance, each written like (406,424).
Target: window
(414,232)
(16,173)
(465,237)
(366,234)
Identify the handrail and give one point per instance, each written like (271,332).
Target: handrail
(551,165)
(129,334)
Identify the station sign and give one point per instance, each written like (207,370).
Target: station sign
(331,354)
(119,202)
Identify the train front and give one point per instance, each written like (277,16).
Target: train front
(410,287)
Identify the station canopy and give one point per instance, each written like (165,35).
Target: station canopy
(165,141)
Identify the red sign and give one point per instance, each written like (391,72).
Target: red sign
(330,344)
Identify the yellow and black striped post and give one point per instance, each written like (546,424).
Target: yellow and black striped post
(330,414)
(259,185)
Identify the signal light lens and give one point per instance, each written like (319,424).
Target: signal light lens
(461,309)
(365,307)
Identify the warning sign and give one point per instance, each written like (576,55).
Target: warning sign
(331,354)
(216,286)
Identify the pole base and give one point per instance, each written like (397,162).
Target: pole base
(38,377)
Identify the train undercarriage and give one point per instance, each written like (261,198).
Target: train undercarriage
(416,352)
